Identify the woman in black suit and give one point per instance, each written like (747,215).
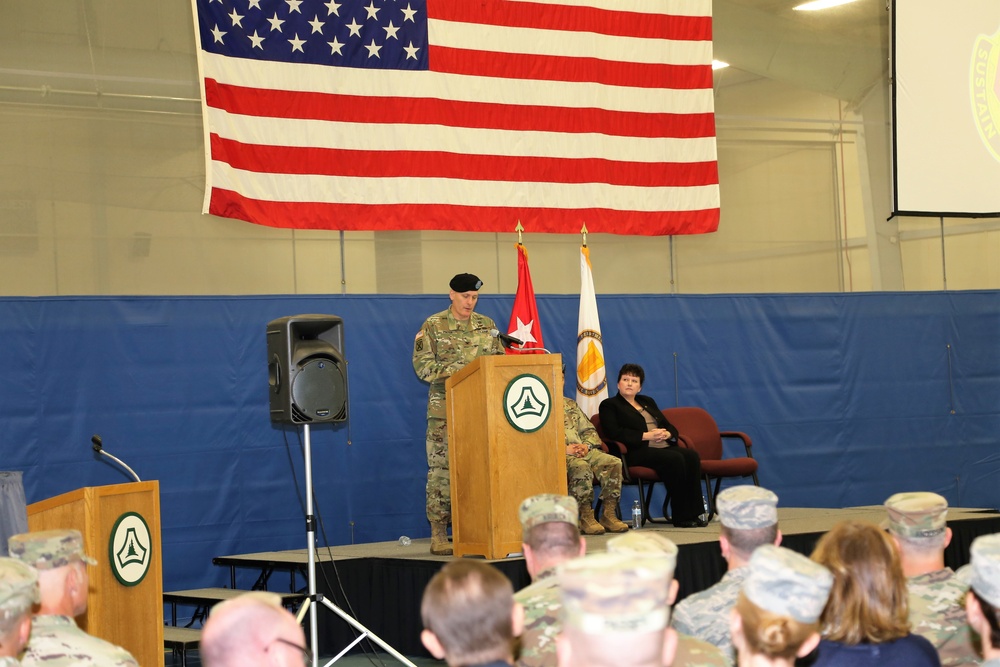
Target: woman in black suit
(636,421)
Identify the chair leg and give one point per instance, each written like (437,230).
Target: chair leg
(755,482)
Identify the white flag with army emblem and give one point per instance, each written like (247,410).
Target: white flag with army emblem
(591,377)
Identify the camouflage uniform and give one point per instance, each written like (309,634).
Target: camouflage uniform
(705,615)
(541,601)
(57,641)
(937,611)
(442,347)
(786,584)
(984,579)
(693,652)
(18,592)
(614,593)
(581,470)
(936,599)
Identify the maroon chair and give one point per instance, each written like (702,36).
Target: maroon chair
(698,431)
(633,474)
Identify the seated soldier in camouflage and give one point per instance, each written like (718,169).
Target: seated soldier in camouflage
(749,517)
(615,612)
(469,615)
(584,460)
(18,593)
(776,617)
(983,600)
(937,597)
(551,537)
(56,640)
(691,651)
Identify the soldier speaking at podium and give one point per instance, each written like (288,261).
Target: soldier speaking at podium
(445,344)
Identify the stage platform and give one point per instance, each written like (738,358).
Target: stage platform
(380,584)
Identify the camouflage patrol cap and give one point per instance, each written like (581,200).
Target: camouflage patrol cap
(18,588)
(645,543)
(465,282)
(49,549)
(787,583)
(747,507)
(614,592)
(916,514)
(548,508)
(985,553)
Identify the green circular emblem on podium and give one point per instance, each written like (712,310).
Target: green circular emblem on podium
(527,403)
(130,549)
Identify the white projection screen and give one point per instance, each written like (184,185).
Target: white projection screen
(946,107)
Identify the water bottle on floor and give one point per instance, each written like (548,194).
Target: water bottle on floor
(704,503)
(636,516)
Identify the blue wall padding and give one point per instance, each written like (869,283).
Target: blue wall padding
(848,399)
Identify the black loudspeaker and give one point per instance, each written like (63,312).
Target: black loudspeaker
(306,369)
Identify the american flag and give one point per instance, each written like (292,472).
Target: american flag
(460,114)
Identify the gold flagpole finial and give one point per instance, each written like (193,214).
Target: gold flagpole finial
(583,230)
(519,229)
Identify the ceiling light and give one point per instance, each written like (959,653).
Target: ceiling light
(821,4)
(718,64)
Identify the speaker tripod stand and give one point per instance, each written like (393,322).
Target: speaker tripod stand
(315,599)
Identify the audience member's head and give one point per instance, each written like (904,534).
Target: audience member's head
(253,629)
(18,593)
(58,557)
(777,612)
(982,604)
(469,614)
(868,601)
(749,517)
(550,530)
(653,545)
(917,523)
(615,611)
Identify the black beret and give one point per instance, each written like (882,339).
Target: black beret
(465,282)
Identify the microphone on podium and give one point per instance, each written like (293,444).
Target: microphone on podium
(98,446)
(506,339)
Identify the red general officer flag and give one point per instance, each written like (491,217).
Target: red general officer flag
(460,114)
(524,324)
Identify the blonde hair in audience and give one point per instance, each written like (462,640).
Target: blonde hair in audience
(868,602)
(772,635)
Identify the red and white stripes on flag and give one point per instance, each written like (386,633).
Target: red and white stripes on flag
(591,375)
(524,324)
(330,115)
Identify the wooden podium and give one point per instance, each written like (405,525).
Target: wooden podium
(129,616)
(495,459)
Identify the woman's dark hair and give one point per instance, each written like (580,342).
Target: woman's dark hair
(991,615)
(634,370)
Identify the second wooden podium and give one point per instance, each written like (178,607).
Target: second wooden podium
(505,443)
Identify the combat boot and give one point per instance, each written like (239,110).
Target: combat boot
(588,524)
(440,546)
(610,520)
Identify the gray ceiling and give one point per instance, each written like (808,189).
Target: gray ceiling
(140,54)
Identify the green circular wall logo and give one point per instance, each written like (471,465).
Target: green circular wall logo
(985,88)
(527,403)
(129,549)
